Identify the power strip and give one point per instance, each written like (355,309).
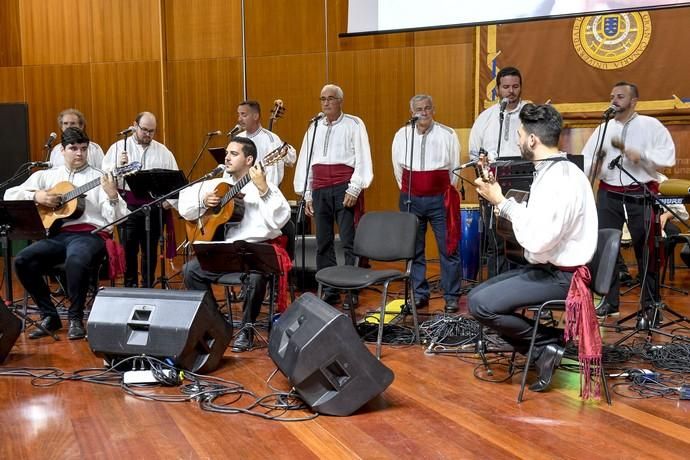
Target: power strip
(139,377)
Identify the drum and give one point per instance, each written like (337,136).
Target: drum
(470,218)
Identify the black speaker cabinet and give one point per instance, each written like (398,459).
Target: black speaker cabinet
(180,325)
(10,328)
(324,359)
(310,258)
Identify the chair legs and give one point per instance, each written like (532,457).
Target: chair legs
(528,361)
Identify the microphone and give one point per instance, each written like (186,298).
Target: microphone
(49,141)
(220,169)
(40,164)
(504,104)
(467,165)
(214,133)
(412,120)
(234,131)
(615,161)
(126,132)
(611,110)
(317,117)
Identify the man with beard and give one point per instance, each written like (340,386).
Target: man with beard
(151,154)
(249,120)
(558,231)
(645,147)
(498,141)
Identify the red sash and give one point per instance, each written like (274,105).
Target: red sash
(432,183)
(582,326)
(279,243)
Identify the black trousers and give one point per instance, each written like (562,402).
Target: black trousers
(81,253)
(495,302)
(198,279)
(328,210)
(133,237)
(611,213)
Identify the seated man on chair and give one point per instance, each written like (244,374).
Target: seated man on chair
(73,244)
(558,231)
(266,211)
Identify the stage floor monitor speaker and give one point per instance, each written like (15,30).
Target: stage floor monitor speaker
(180,325)
(10,328)
(324,359)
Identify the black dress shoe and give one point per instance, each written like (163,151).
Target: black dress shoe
(547,362)
(451,306)
(243,342)
(605,309)
(421,303)
(331,298)
(50,323)
(76,329)
(355,301)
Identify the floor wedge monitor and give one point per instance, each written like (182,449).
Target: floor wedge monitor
(180,325)
(324,359)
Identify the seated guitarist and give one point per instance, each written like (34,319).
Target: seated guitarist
(558,231)
(266,211)
(73,244)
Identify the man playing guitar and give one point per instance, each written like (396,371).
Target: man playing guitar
(558,230)
(266,211)
(74,244)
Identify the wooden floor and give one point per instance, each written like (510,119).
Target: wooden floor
(435,408)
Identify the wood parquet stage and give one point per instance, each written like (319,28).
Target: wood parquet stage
(435,408)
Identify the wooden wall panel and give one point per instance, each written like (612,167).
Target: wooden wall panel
(119,92)
(202,97)
(125,30)
(270,78)
(10,37)
(12,84)
(55,32)
(447,74)
(203,29)
(46,100)
(377,85)
(337,24)
(464,35)
(276,27)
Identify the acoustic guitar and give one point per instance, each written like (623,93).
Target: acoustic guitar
(209,226)
(504,228)
(73,199)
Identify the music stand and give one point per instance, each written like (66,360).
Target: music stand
(19,220)
(241,257)
(218,154)
(150,184)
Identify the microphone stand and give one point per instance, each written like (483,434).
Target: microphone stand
(644,321)
(146,209)
(599,155)
(301,218)
(408,203)
(19,173)
(491,233)
(198,156)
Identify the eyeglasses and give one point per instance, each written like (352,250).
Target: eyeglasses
(147,130)
(423,109)
(328,99)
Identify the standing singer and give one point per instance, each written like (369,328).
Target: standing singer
(432,195)
(645,146)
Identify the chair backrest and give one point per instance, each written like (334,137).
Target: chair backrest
(386,236)
(604,262)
